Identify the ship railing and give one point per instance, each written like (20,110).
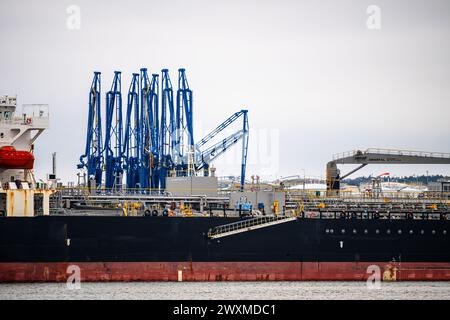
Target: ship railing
(35,110)
(82,190)
(412,153)
(360,204)
(345,154)
(395,152)
(28,121)
(375,215)
(35,115)
(384,196)
(324,209)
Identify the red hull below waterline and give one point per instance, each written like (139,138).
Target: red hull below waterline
(224,271)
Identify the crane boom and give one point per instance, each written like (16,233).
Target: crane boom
(205,157)
(219,128)
(213,152)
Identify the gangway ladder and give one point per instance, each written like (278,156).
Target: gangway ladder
(247,225)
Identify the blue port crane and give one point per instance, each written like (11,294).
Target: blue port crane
(153,117)
(145,135)
(245,129)
(206,156)
(168,125)
(132,146)
(114,135)
(149,128)
(92,159)
(158,135)
(184,144)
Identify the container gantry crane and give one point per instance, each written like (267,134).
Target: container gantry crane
(113,135)
(92,159)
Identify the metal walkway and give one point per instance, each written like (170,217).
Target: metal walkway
(246,225)
(377,155)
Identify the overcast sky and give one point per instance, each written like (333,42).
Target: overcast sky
(315,79)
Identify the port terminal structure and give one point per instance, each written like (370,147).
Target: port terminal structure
(153,140)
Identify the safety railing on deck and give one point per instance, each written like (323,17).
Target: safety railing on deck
(369,195)
(32,115)
(81,191)
(395,152)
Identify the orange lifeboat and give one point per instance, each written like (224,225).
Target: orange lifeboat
(10,158)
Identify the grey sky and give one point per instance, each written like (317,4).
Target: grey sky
(311,73)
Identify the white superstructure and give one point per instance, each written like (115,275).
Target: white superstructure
(19,195)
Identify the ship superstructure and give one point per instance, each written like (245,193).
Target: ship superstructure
(19,193)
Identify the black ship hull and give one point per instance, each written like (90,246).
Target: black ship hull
(178,248)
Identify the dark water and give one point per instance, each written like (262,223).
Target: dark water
(229,290)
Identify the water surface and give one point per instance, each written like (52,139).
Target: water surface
(228,290)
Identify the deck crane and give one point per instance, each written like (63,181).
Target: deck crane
(92,159)
(376,156)
(132,146)
(113,135)
(205,157)
(184,144)
(167,137)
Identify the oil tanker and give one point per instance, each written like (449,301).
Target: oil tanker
(249,234)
